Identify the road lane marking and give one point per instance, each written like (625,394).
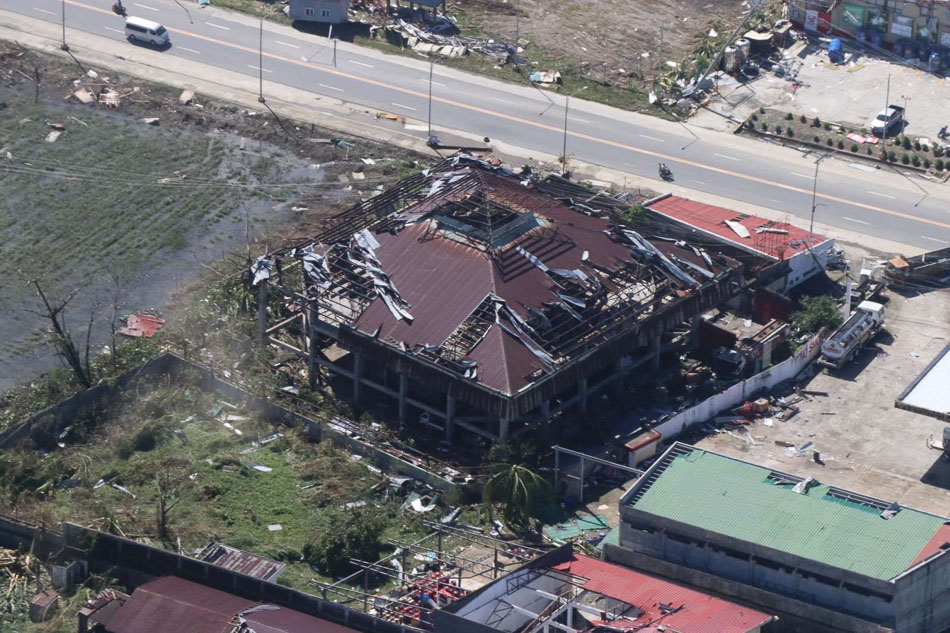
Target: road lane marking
(44,11)
(259,68)
(551,128)
(652,138)
(934,239)
(399,105)
(699,182)
(883,195)
(724,156)
(353,61)
(853,220)
(434,83)
(286,44)
(109,28)
(805,176)
(574,118)
(145,6)
(775,201)
(330,87)
(218,26)
(190,50)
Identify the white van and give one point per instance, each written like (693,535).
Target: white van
(139,30)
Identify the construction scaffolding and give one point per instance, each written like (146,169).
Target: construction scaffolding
(444,575)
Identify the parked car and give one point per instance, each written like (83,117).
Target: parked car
(889,119)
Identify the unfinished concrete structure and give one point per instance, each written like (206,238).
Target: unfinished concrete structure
(829,558)
(485,300)
(566,592)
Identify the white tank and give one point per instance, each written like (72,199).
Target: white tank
(744,47)
(730,59)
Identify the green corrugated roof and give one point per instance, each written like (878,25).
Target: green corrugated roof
(736,499)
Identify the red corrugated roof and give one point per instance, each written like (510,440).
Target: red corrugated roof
(700,613)
(712,220)
(941,537)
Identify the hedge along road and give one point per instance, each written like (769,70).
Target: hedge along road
(520,117)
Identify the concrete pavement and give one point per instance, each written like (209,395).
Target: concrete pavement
(709,165)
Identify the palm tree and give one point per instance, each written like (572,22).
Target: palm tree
(518,489)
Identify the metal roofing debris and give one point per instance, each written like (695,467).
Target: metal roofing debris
(242,562)
(928,393)
(141,325)
(662,603)
(750,503)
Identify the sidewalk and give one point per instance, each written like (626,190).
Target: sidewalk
(362,121)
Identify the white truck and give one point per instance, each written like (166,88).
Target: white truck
(845,342)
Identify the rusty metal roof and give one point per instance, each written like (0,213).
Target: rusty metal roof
(242,562)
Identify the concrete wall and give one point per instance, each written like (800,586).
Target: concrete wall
(795,616)
(122,554)
(742,391)
(807,264)
(325,11)
(923,597)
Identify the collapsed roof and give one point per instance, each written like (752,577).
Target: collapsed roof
(478,271)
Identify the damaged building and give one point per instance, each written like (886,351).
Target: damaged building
(478,298)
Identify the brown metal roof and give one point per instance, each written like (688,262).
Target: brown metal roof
(444,280)
(175,605)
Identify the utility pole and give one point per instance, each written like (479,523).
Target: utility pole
(431,68)
(517,26)
(64,45)
(904,118)
(260,63)
(567,105)
(814,191)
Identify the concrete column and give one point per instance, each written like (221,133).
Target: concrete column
(546,411)
(582,392)
(262,310)
(449,417)
(503,424)
(357,375)
(312,367)
(655,354)
(618,370)
(403,390)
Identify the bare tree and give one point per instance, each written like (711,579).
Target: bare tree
(171,480)
(36,73)
(62,338)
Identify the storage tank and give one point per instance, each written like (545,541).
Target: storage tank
(730,59)
(744,47)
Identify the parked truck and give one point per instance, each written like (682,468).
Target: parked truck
(889,119)
(845,342)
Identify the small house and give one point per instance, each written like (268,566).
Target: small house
(325,11)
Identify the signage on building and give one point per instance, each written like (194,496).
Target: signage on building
(853,15)
(877,21)
(902,26)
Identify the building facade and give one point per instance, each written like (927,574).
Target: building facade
(820,553)
(324,11)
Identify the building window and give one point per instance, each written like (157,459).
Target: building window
(325,13)
(308,12)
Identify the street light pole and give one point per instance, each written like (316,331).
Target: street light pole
(431,68)
(260,69)
(64,45)
(567,105)
(814,191)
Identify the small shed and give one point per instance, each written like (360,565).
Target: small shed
(324,11)
(642,446)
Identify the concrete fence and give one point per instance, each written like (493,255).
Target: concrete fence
(741,391)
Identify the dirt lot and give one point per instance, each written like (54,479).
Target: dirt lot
(867,445)
(114,195)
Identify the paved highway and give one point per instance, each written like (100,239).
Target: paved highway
(881,205)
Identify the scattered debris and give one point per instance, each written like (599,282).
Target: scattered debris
(141,326)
